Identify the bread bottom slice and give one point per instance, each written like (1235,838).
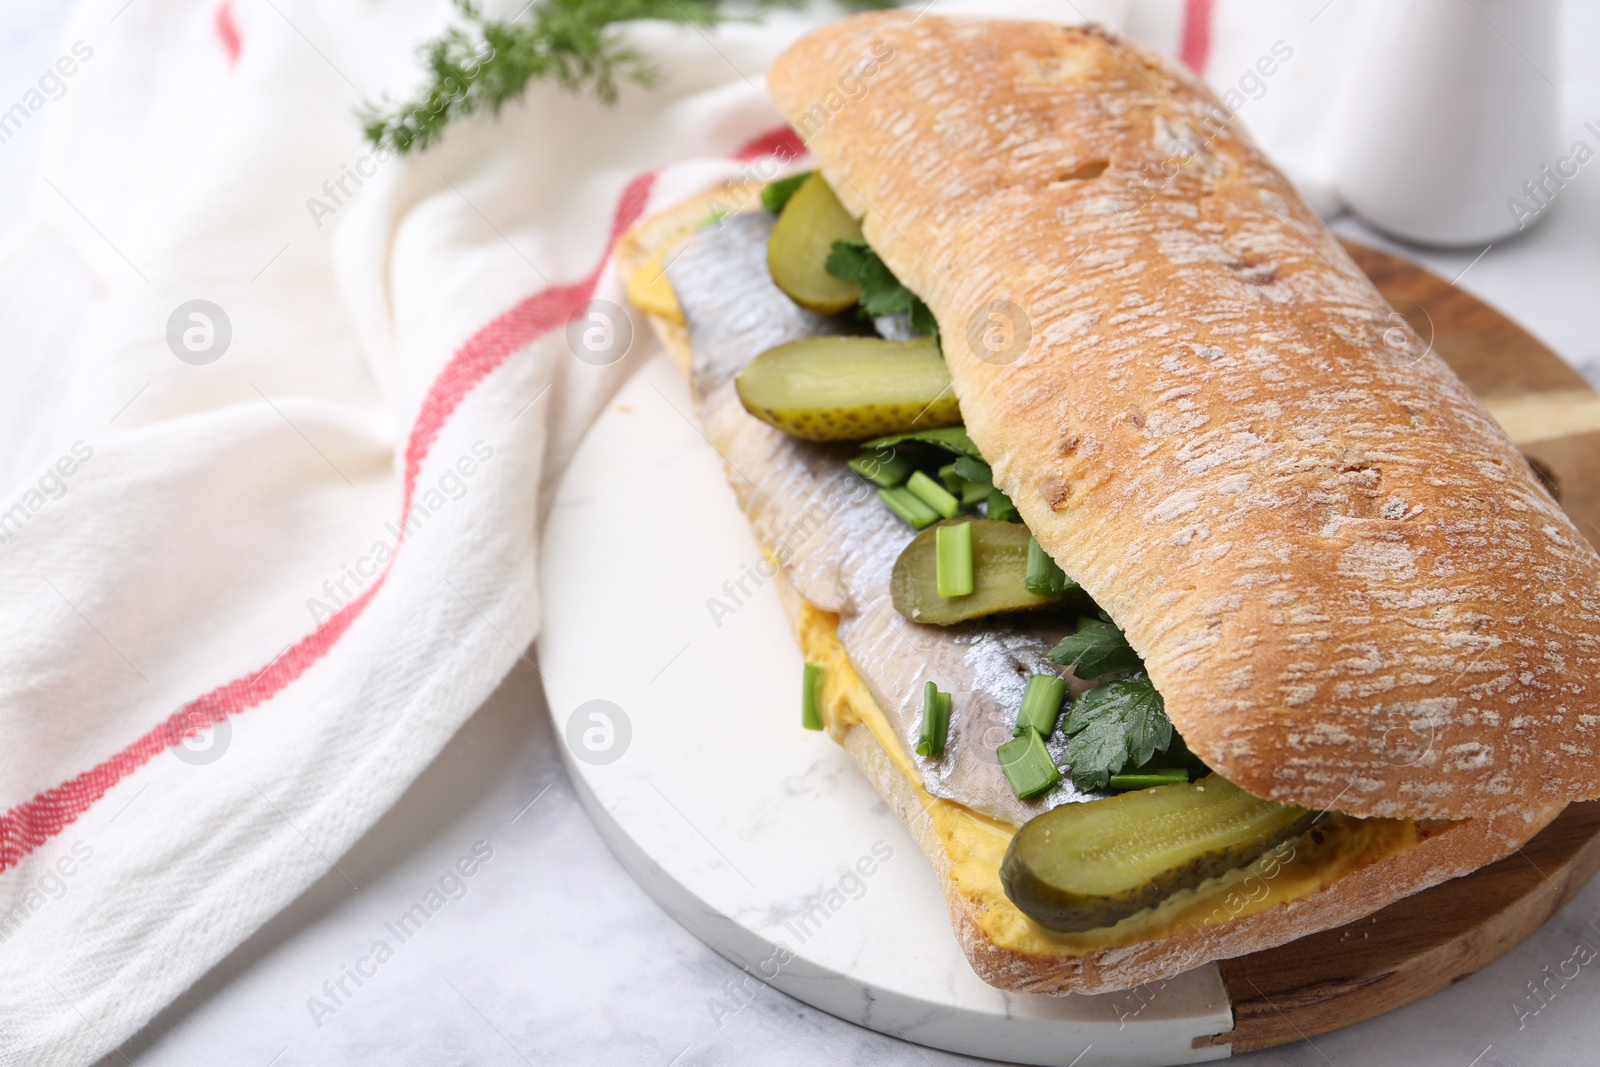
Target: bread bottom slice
(1341,870)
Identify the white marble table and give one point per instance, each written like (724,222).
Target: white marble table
(554,956)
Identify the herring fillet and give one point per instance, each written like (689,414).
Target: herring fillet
(838,543)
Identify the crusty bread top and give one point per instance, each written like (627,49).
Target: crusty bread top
(1346,582)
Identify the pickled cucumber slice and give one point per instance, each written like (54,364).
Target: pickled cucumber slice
(797,251)
(1082,866)
(849,388)
(999,569)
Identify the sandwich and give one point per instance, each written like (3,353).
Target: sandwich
(1180,603)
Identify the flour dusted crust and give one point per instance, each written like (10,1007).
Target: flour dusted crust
(1445,851)
(1330,557)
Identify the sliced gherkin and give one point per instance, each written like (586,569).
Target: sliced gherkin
(999,569)
(849,388)
(797,252)
(1083,866)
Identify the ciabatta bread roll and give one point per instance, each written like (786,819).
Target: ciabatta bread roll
(1307,526)
(1348,585)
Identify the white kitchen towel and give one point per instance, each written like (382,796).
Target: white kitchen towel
(279,421)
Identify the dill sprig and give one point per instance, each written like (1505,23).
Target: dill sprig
(482,63)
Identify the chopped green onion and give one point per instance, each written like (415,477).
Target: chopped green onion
(935,722)
(1045,576)
(934,495)
(964,489)
(716,216)
(774,195)
(1149,779)
(953,558)
(1041,704)
(907,505)
(1028,765)
(886,470)
(810,712)
(974,470)
(1001,508)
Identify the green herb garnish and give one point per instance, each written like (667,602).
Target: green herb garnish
(1096,650)
(482,64)
(1000,508)
(935,722)
(1045,576)
(1117,725)
(887,470)
(881,291)
(810,711)
(1148,779)
(775,194)
(950,438)
(1027,765)
(908,507)
(969,493)
(957,476)
(974,470)
(1041,704)
(953,559)
(933,494)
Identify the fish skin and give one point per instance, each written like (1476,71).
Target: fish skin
(896,327)
(837,543)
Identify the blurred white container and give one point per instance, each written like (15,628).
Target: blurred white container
(1451,107)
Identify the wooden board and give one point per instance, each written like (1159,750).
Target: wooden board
(1419,945)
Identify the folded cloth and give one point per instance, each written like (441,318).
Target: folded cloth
(282,417)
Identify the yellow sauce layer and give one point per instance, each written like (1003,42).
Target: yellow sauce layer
(650,290)
(975,844)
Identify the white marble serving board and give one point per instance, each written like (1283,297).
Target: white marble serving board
(758,836)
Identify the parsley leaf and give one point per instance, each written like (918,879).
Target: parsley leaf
(775,194)
(974,470)
(1096,650)
(1001,509)
(1116,725)
(881,291)
(950,438)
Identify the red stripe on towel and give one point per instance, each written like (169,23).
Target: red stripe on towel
(33,822)
(223,21)
(1196,46)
